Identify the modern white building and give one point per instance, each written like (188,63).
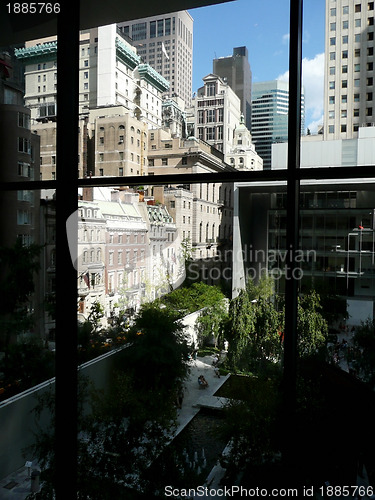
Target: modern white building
(165,42)
(317,152)
(349,68)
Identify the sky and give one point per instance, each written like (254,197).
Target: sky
(263,27)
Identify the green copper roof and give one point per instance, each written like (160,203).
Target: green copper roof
(42,52)
(126,55)
(151,76)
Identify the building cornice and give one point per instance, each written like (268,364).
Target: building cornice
(148,73)
(126,55)
(37,53)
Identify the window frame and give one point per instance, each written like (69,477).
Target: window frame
(67,182)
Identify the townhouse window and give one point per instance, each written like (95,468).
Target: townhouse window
(210,133)
(210,115)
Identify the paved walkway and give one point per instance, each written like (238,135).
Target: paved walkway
(18,485)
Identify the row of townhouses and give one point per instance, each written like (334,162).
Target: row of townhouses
(129,251)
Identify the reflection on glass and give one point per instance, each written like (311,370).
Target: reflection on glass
(336,249)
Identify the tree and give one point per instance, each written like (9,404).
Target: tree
(211,321)
(18,267)
(95,316)
(253,328)
(27,364)
(362,356)
(312,328)
(132,420)
(192,298)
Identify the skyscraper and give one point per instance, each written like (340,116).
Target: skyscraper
(349,68)
(165,42)
(269,116)
(235,70)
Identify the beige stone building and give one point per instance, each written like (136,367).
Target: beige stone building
(118,143)
(198,209)
(113,82)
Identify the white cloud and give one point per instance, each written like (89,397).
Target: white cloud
(315,125)
(285,38)
(313,83)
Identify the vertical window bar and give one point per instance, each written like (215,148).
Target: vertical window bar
(292,230)
(66,276)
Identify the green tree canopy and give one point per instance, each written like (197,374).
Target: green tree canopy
(192,298)
(18,267)
(363,357)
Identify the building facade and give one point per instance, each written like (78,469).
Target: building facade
(165,42)
(336,240)
(91,257)
(269,116)
(242,155)
(112,80)
(349,68)
(235,71)
(216,112)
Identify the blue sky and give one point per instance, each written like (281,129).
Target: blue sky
(263,27)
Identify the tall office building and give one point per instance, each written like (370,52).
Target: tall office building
(235,70)
(165,42)
(269,116)
(349,68)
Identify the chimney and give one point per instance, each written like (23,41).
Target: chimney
(159,194)
(88,194)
